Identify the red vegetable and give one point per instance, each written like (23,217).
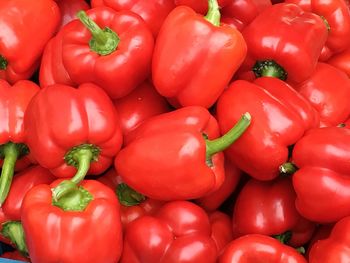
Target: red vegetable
(195,57)
(70,8)
(13,150)
(200,6)
(182,233)
(221,229)
(15,255)
(185,161)
(341,61)
(22,38)
(281,116)
(285,42)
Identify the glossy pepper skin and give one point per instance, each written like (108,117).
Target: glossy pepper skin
(281,116)
(335,248)
(183,233)
(22,38)
(328,90)
(341,61)
(70,8)
(195,57)
(200,6)
(179,166)
(259,248)
(268,208)
(81,134)
(13,150)
(322,182)
(153,12)
(337,17)
(88,49)
(286,35)
(142,103)
(221,229)
(213,201)
(91,209)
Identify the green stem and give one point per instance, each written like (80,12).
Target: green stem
(128,196)
(103,41)
(10,152)
(269,68)
(223,142)
(13,230)
(288,168)
(326,23)
(213,15)
(3,63)
(284,238)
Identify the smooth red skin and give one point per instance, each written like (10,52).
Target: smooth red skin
(302,232)
(182,232)
(83,115)
(289,36)
(69,9)
(13,104)
(341,61)
(245,11)
(214,200)
(194,60)
(139,105)
(68,231)
(221,229)
(335,248)
(177,157)
(337,14)
(15,255)
(322,182)
(153,12)
(200,6)
(328,90)
(22,38)
(280,117)
(259,248)
(232,22)
(130,213)
(322,232)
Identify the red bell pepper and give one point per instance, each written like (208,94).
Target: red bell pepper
(10,212)
(132,204)
(322,182)
(184,146)
(334,249)
(179,232)
(285,42)
(69,9)
(195,57)
(141,104)
(281,116)
(341,61)
(153,12)
(82,226)
(119,52)
(268,208)
(259,248)
(336,15)
(322,232)
(22,38)
(212,201)
(81,134)
(200,6)
(15,255)
(221,229)
(328,91)
(13,150)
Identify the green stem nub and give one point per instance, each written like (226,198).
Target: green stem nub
(3,63)
(104,41)
(9,152)
(80,156)
(213,15)
(128,196)
(223,142)
(13,230)
(269,68)
(326,23)
(288,168)
(284,238)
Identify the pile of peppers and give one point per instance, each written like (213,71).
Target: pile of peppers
(175,131)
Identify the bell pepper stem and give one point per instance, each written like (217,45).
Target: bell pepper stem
(288,168)
(104,41)
(213,15)
(3,63)
(284,238)
(10,153)
(269,68)
(128,196)
(326,23)
(223,142)
(13,230)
